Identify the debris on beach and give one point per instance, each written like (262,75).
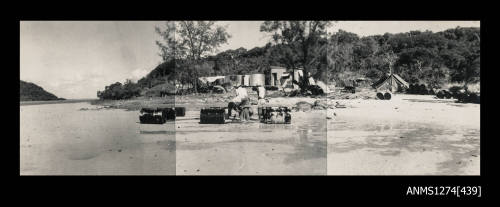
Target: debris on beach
(362,94)
(320,105)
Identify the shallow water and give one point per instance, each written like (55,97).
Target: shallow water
(64,139)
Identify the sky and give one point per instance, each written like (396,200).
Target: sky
(73,59)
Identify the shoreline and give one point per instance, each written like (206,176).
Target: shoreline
(26,103)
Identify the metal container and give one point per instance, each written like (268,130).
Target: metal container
(257,79)
(387,96)
(380,96)
(245,80)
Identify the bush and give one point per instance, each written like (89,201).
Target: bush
(117,91)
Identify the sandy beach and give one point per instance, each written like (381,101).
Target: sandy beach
(408,135)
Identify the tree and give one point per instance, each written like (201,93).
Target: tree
(300,41)
(190,41)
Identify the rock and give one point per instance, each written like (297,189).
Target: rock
(473,98)
(303,106)
(440,94)
(320,105)
(447,94)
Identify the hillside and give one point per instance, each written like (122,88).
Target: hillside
(419,57)
(32,92)
(426,57)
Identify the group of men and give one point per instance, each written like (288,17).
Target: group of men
(241,103)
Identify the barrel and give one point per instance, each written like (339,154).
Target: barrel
(380,96)
(387,96)
(257,79)
(245,80)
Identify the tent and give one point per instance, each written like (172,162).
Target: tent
(212,79)
(391,82)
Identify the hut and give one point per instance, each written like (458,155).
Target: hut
(212,80)
(391,82)
(282,77)
(276,73)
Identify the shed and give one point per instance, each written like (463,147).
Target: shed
(276,74)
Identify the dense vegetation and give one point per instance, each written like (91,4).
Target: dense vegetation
(418,57)
(32,92)
(118,91)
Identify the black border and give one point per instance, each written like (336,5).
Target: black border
(327,188)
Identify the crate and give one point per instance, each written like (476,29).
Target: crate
(275,115)
(213,115)
(180,111)
(150,118)
(169,113)
(156,115)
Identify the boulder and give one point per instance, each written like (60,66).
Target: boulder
(320,105)
(303,106)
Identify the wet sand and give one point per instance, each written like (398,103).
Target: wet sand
(252,148)
(408,135)
(60,139)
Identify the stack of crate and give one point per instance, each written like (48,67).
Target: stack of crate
(275,115)
(160,115)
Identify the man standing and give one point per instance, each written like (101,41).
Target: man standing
(261,92)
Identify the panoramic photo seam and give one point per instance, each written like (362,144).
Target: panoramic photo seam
(250,97)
